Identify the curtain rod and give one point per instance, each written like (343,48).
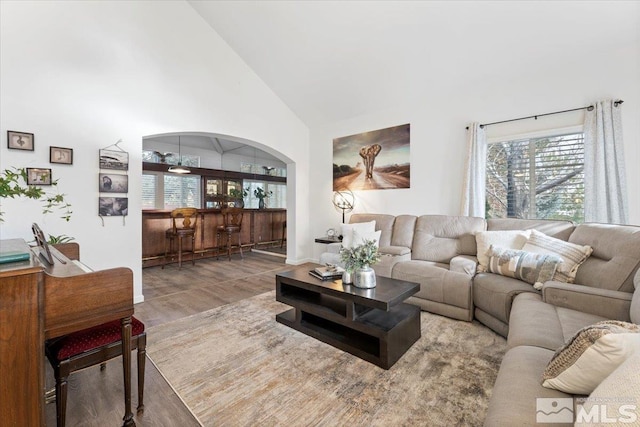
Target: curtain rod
(588,108)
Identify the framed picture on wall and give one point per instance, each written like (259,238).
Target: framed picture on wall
(61,155)
(113,206)
(38,176)
(110,159)
(113,183)
(20,140)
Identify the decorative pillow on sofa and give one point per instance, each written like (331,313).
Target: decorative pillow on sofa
(509,239)
(527,266)
(359,237)
(593,353)
(572,255)
(348,229)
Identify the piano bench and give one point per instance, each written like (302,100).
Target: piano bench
(90,347)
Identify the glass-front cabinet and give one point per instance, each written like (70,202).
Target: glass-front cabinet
(214,195)
(220,193)
(234,193)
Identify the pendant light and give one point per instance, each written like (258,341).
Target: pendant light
(179,168)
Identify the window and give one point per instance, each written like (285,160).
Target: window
(168,191)
(188,160)
(278,198)
(536,178)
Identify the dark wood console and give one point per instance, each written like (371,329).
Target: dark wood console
(372,324)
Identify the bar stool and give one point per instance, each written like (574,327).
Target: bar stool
(232,218)
(187,229)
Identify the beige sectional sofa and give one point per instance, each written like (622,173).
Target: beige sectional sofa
(439,252)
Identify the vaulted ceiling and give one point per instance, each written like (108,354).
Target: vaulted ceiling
(333,60)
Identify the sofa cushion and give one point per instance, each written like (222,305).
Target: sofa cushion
(510,239)
(403,229)
(591,355)
(384,223)
(348,231)
(529,267)
(437,283)
(438,238)
(615,257)
(554,228)
(494,293)
(572,255)
(535,323)
(517,388)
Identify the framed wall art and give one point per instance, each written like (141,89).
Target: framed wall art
(63,156)
(375,160)
(113,183)
(113,206)
(111,159)
(20,140)
(38,176)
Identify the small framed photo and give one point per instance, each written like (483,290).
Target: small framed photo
(38,176)
(61,155)
(113,183)
(110,159)
(20,140)
(113,206)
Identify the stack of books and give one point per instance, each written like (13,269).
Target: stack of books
(329,272)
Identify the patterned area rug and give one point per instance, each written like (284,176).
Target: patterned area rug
(236,366)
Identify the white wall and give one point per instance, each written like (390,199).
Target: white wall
(438,131)
(84,74)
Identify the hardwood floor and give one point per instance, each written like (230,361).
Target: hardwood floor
(95,397)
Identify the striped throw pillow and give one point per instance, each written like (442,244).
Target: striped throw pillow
(572,255)
(526,266)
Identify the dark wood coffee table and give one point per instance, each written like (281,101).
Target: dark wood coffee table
(372,324)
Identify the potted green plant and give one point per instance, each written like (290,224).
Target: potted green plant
(239,196)
(261,195)
(13,184)
(358,260)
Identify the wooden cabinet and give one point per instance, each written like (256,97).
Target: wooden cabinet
(21,344)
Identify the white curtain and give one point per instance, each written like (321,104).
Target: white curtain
(473,196)
(604,172)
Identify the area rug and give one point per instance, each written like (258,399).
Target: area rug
(236,366)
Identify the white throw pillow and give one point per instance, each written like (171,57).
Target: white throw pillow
(591,355)
(572,255)
(508,239)
(359,237)
(362,227)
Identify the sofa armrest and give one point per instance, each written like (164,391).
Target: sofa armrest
(601,302)
(466,264)
(334,248)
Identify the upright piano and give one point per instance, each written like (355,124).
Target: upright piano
(39,301)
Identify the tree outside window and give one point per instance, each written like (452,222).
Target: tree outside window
(539,178)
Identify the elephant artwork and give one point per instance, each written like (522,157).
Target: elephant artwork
(368,154)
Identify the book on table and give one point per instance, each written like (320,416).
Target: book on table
(327,272)
(13,256)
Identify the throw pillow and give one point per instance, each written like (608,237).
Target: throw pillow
(510,239)
(593,353)
(347,231)
(572,255)
(527,266)
(359,237)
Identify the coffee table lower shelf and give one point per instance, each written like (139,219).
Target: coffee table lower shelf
(382,344)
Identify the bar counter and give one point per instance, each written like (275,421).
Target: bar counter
(259,226)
